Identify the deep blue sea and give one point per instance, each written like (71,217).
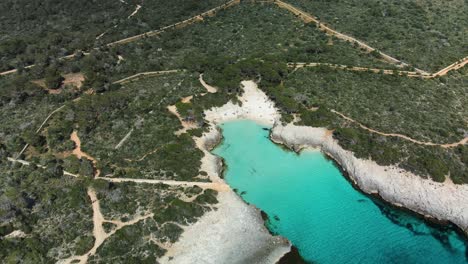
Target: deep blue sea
(312,204)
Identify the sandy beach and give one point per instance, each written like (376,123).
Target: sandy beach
(235,232)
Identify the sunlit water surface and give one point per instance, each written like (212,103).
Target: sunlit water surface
(310,202)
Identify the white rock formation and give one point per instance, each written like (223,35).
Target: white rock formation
(442,201)
(235,231)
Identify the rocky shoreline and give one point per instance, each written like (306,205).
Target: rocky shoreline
(235,232)
(443,202)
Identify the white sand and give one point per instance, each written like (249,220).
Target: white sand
(235,231)
(15,234)
(255,106)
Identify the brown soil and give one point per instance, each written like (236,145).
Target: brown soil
(74,79)
(80,154)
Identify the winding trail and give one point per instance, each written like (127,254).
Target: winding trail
(307,18)
(451,145)
(134,12)
(185,124)
(80,154)
(299,65)
(454,66)
(208,87)
(177,25)
(100,235)
(144,156)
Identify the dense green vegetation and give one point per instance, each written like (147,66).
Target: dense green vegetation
(121,201)
(140,107)
(35,32)
(129,131)
(225,39)
(428,34)
(425,110)
(23,108)
(53,212)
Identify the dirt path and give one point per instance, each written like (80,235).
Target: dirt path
(451,145)
(121,142)
(299,65)
(303,15)
(48,117)
(307,18)
(208,87)
(454,66)
(16,234)
(185,125)
(218,186)
(100,235)
(177,25)
(71,56)
(173,109)
(145,74)
(187,99)
(144,156)
(15,70)
(40,128)
(27,163)
(80,154)
(134,12)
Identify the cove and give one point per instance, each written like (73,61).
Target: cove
(311,203)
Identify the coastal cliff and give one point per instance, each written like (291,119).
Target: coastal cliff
(445,202)
(234,232)
(236,225)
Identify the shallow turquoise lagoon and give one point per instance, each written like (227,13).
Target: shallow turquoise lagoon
(310,202)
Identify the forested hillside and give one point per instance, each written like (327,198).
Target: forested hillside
(85,136)
(35,31)
(428,34)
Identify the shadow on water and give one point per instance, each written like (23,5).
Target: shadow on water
(293,256)
(417,224)
(427,228)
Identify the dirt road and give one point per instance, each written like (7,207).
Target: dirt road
(450,145)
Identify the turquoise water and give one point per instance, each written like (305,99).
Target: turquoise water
(310,203)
